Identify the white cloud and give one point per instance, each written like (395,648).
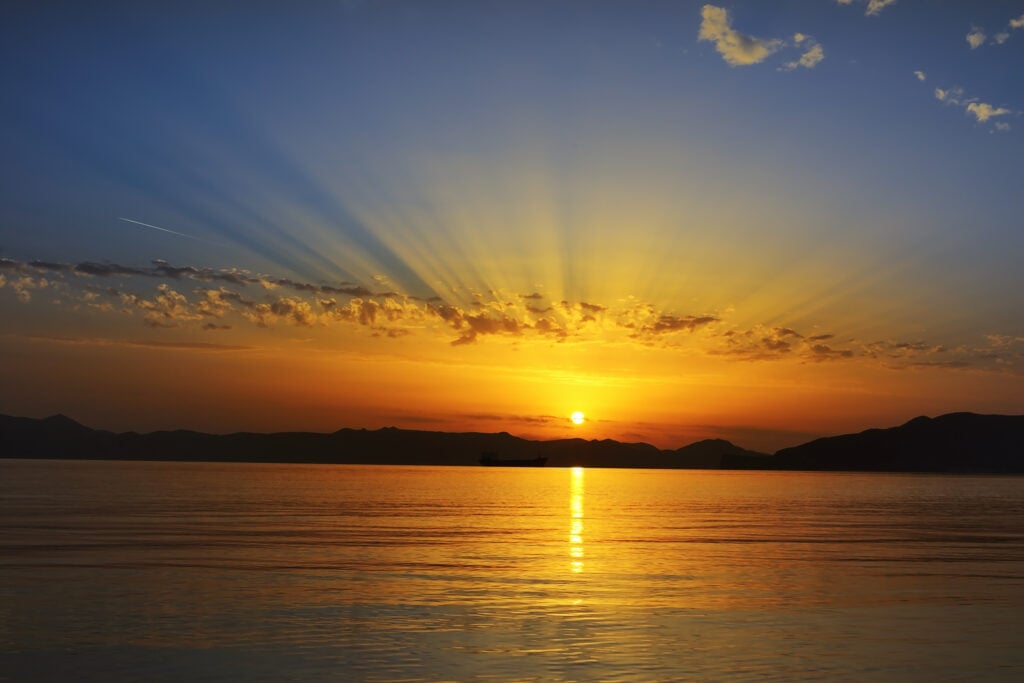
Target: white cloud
(920,75)
(1002,126)
(736,48)
(1000,38)
(976,38)
(1018,22)
(983,112)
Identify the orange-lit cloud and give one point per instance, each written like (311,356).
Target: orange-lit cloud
(736,48)
(874,7)
(983,112)
(258,300)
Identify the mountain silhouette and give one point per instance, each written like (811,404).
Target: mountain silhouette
(958,442)
(60,437)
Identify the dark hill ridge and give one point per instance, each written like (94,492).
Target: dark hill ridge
(958,442)
(60,437)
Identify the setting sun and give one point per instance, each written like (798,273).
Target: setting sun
(577,418)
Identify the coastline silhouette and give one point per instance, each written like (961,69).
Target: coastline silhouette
(956,442)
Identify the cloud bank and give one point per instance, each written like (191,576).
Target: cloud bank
(222,301)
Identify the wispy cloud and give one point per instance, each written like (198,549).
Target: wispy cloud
(874,7)
(949,95)
(162,269)
(763,343)
(812,56)
(983,112)
(921,76)
(144,343)
(737,49)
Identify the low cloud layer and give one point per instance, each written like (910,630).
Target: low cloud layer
(220,301)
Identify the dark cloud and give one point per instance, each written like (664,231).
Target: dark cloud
(475,325)
(345,288)
(902,349)
(948,364)
(162,269)
(9,264)
(551,328)
(46,265)
(102,341)
(421,419)
(88,268)
(519,419)
(392,333)
(667,324)
(826,352)
(777,343)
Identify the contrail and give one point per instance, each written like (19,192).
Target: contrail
(173,232)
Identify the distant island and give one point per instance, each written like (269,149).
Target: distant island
(953,443)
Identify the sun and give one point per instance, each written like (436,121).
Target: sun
(577,418)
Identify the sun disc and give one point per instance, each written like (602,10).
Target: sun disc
(577,418)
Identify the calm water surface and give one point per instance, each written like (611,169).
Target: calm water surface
(175,571)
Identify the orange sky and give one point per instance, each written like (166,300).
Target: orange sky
(687,221)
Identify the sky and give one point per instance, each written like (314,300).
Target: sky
(758,221)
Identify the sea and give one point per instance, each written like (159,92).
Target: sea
(167,571)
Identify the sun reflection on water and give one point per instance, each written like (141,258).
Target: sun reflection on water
(576,520)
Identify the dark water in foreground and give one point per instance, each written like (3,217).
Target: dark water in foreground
(175,571)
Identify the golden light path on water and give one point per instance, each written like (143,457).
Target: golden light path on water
(576,491)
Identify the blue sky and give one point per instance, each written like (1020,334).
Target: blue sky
(841,168)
